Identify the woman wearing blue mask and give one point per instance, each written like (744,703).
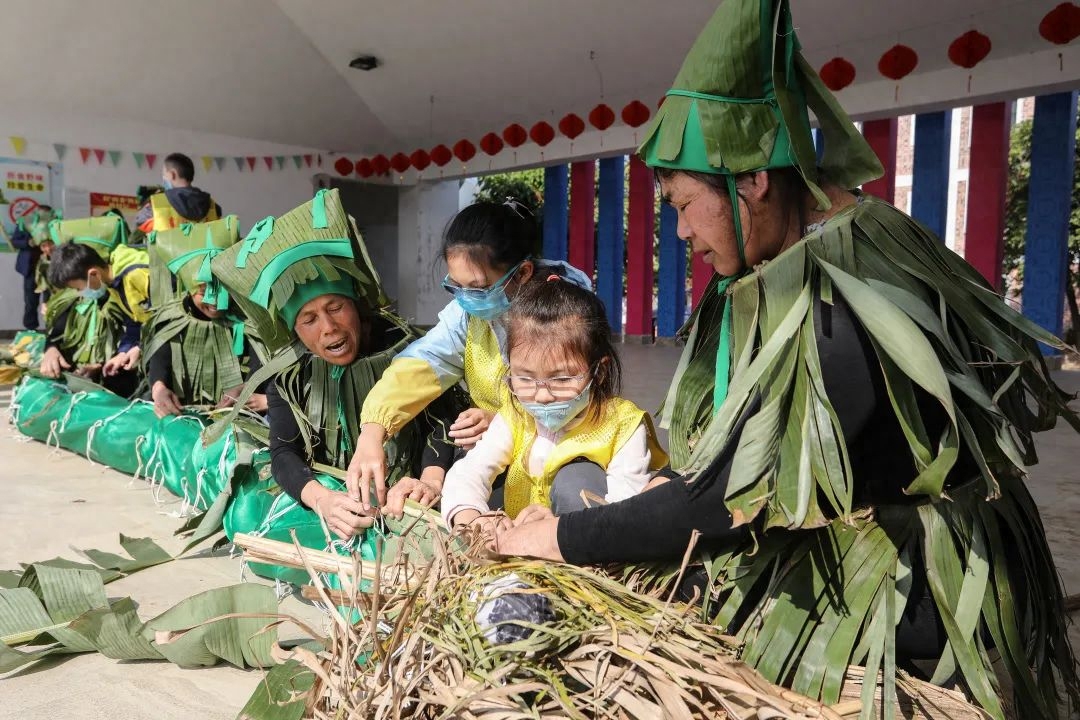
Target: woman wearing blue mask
(488,252)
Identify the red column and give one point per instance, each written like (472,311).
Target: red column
(582,216)
(702,273)
(639,251)
(881,135)
(984,241)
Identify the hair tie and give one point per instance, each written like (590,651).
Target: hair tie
(552,277)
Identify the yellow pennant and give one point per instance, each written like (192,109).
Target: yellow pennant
(18,144)
(207,162)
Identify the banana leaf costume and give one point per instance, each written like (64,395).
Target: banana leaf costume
(825,579)
(207,356)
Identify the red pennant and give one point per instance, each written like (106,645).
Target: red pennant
(318,159)
(441,155)
(541,133)
(269,162)
(100,155)
(635,114)
(601,117)
(837,74)
(380,164)
(85,153)
(151,158)
(307,160)
(400,162)
(420,159)
(344,166)
(515,135)
(491,143)
(251,162)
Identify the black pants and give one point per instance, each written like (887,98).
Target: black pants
(31,300)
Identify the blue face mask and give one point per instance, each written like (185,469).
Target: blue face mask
(93,294)
(486,304)
(166,184)
(555,415)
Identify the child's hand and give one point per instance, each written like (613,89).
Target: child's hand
(368,466)
(53,362)
(408,488)
(533,513)
(470,426)
(165,400)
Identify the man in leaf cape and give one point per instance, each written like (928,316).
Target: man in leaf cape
(94,320)
(306,282)
(853,411)
(198,349)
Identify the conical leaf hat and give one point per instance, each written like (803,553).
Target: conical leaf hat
(741,104)
(37,225)
(283,262)
(187,250)
(104,234)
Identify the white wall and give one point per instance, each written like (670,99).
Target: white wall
(251,195)
(424,210)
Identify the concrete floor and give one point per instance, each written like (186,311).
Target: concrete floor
(55,500)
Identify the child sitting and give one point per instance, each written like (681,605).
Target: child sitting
(567,432)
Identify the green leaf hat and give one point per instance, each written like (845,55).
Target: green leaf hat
(186,252)
(37,224)
(104,234)
(742,101)
(287,261)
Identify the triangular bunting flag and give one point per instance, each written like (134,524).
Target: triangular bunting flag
(139,159)
(239,163)
(280,160)
(85,153)
(61,150)
(207,162)
(298,161)
(318,159)
(269,162)
(151,158)
(307,160)
(18,144)
(99,153)
(114,157)
(251,162)
(220,163)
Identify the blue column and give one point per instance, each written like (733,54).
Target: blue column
(610,240)
(556,211)
(930,177)
(819,144)
(671,305)
(1053,142)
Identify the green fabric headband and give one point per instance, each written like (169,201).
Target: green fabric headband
(305,293)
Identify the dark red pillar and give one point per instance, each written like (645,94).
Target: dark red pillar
(881,135)
(583,216)
(984,240)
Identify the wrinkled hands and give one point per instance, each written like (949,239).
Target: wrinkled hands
(53,363)
(342,514)
(534,533)
(127,360)
(165,400)
(423,490)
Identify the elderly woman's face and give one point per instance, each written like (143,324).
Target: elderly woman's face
(330,327)
(705,221)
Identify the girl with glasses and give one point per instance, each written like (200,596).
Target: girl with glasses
(566,432)
(488,249)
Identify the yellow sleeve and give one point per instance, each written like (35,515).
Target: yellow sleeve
(137,293)
(406,387)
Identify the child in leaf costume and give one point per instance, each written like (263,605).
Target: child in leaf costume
(305,281)
(198,349)
(853,412)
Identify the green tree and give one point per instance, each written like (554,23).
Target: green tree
(524,186)
(1016,210)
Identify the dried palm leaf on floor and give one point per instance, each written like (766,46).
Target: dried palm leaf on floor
(609,652)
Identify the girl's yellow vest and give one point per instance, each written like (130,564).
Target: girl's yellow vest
(485,368)
(166,217)
(594,439)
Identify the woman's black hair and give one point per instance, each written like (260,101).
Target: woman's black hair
(567,318)
(499,235)
(72,261)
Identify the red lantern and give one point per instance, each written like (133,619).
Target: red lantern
(420,160)
(441,155)
(969,49)
(363,168)
(601,117)
(464,150)
(897,62)
(571,126)
(541,133)
(344,166)
(515,135)
(400,162)
(491,143)
(380,165)
(635,114)
(1062,24)
(837,74)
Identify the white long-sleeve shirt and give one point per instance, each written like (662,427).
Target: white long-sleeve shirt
(468,482)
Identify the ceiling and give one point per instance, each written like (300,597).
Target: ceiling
(277,70)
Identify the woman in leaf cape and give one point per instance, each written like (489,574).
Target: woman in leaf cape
(306,282)
(852,413)
(199,350)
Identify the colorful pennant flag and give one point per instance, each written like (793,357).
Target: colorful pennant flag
(139,159)
(239,163)
(280,160)
(114,157)
(318,159)
(251,162)
(298,161)
(61,150)
(219,162)
(207,162)
(269,162)
(18,144)
(307,160)
(151,158)
(99,153)
(85,153)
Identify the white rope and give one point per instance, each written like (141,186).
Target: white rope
(100,423)
(274,513)
(67,415)
(138,456)
(53,434)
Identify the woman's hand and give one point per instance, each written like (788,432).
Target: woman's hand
(368,466)
(470,426)
(127,360)
(228,397)
(342,514)
(53,363)
(532,513)
(165,400)
(257,403)
(422,491)
(537,537)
